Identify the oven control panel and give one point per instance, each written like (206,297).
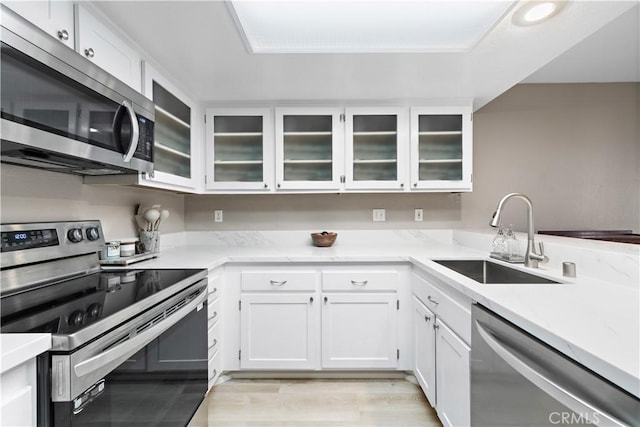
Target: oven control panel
(27,239)
(35,242)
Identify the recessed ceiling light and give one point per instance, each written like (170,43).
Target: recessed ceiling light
(356,26)
(534,12)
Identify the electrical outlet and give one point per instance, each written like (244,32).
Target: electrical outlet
(379,215)
(418,215)
(217,215)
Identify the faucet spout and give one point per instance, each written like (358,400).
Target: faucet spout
(531,257)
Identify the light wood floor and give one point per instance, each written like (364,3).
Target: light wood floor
(315,402)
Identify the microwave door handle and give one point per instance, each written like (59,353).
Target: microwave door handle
(113,357)
(547,385)
(135,131)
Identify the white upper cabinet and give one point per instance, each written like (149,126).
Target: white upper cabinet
(309,148)
(239,149)
(376,141)
(174,137)
(54,17)
(103,46)
(441,148)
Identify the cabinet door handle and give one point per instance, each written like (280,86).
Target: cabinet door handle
(436,326)
(311,300)
(63,35)
(215,341)
(431,300)
(277,283)
(356,283)
(89,53)
(265,185)
(214,315)
(326,299)
(427,318)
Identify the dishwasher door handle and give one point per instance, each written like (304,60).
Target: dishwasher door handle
(544,383)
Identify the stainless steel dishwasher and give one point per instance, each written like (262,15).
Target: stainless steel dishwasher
(518,380)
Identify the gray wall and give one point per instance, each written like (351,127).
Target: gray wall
(573,148)
(30,195)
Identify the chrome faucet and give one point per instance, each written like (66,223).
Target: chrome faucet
(531,257)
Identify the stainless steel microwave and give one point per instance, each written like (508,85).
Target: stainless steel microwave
(61,112)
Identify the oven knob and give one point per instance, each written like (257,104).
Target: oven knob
(94,311)
(75,235)
(76,318)
(93,233)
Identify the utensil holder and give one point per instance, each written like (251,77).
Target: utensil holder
(150,240)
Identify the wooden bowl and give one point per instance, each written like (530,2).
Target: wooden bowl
(324,239)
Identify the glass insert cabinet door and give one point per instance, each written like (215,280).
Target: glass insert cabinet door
(309,151)
(173,152)
(441,143)
(239,149)
(376,142)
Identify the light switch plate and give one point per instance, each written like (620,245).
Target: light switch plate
(418,215)
(217,215)
(379,215)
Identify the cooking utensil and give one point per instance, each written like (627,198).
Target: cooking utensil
(164,214)
(151,215)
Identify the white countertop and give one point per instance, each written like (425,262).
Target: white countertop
(16,349)
(593,319)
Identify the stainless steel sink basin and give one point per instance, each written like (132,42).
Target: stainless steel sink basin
(488,272)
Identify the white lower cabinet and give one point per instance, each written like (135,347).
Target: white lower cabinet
(311,318)
(441,322)
(424,341)
(214,328)
(359,330)
(453,377)
(278,331)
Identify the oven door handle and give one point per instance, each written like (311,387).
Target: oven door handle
(113,357)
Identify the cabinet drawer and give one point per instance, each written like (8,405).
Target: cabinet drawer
(215,368)
(278,280)
(213,339)
(456,315)
(213,309)
(363,280)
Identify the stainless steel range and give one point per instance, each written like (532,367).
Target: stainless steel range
(129,346)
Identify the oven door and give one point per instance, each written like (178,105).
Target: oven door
(152,373)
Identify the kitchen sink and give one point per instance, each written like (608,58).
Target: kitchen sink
(488,272)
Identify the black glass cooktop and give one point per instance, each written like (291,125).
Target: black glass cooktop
(68,306)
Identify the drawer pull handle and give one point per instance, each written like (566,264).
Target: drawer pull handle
(215,372)
(277,283)
(63,35)
(311,300)
(89,53)
(214,315)
(427,318)
(215,341)
(356,283)
(431,300)
(326,299)
(214,290)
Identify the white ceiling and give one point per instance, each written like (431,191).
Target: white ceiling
(198,44)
